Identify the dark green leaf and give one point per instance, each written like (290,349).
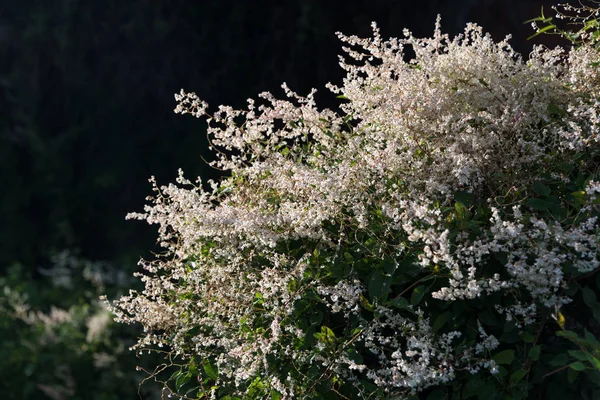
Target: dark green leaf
(408,267)
(399,302)
(355,356)
(538,204)
(464,198)
(516,376)
(487,317)
(534,352)
(577,366)
(567,334)
(349,258)
(441,321)
(541,189)
(417,295)
(316,319)
(589,298)
(389,266)
(553,109)
(589,336)
(565,167)
(559,360)
(572,375)
(580,355)
(379,286)
(504,357)
(528,337)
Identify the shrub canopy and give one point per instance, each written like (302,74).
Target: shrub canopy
(419,238)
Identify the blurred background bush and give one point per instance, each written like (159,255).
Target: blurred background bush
(86,100)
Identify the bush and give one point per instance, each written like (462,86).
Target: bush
(434,239)
(60,338)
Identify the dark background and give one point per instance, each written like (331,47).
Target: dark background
(86,97)
(86,100)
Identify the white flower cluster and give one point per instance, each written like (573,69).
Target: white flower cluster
(459,115)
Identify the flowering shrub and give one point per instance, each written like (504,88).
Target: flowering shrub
(58,339)
(416,243)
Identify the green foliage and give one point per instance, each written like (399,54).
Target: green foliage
(61,339)
(582,15)
(528,311)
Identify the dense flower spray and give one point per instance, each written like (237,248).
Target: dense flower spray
(335,256)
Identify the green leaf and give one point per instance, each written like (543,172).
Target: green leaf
(553,109)
(417,295)
(541,189)
(580,355)
(195,388)
(210,369)
(399,302)
(365,303)
(567,334)
(589,298)
(389,266)
(538,204)
(565,167)
(516,376)
(572,375)
(441,321)
(504,357)
(316,319)
(577,366)
(275,395)
(409,268)
(182,380)
(544,29)
(326,335)
(559,360)
(462,212)
(379,286)
(595,362)
(176,375)
(464,197)
(542,18)
(591,338)
(487,317)
(534,352)
(355,356)
(349,257)
(528,337)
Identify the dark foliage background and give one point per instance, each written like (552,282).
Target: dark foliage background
(86,100)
